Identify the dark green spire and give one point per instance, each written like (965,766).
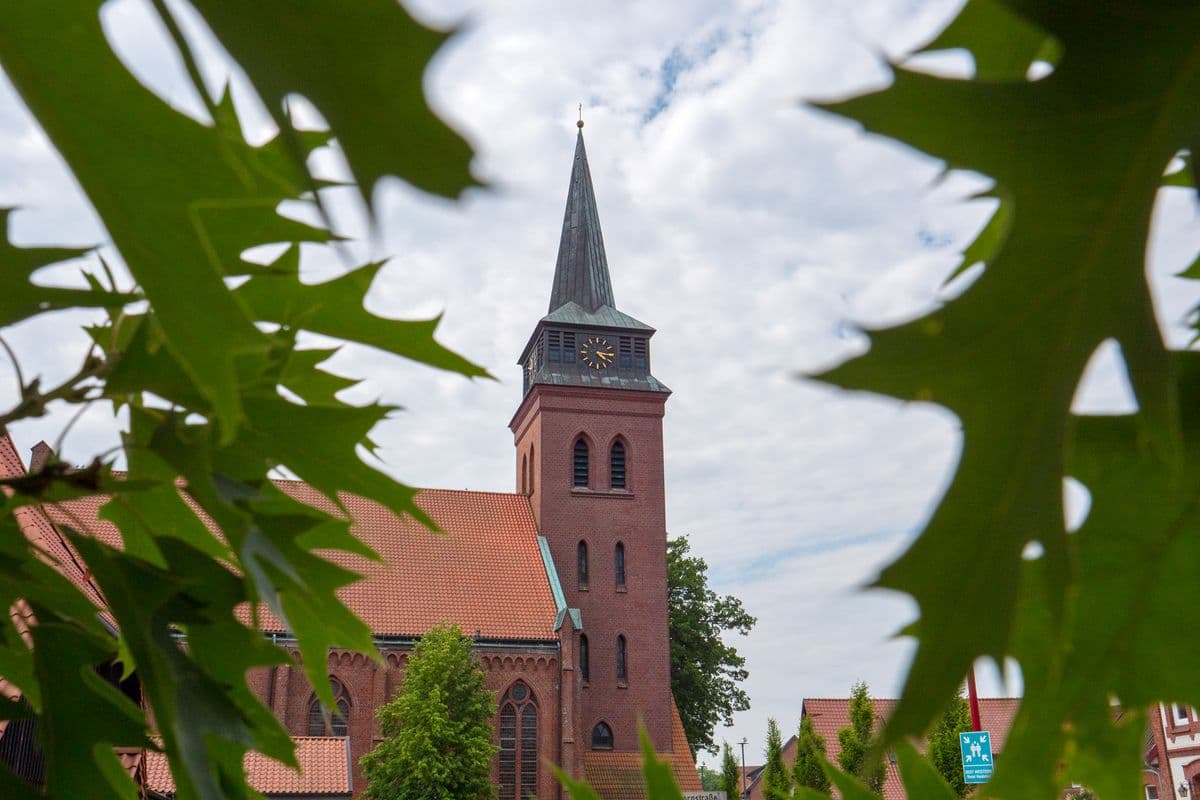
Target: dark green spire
(581,274)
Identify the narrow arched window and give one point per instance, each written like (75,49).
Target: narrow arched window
(622,669)
(532,469)
(518,759)
(582,558)
(585,670)
(580,463)
(524,474)
(336,725)
(616,466)
(619,564)
(602,737)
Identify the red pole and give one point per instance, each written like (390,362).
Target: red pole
(973,697)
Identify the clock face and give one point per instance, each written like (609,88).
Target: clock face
(597,353)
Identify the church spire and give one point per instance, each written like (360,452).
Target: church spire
(581,274)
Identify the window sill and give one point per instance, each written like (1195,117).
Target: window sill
(583,588)
(622,685)
(609,493)
(621,589)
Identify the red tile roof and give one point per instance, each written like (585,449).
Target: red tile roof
(829,715)
(483,572)
(617,775)
(324,770)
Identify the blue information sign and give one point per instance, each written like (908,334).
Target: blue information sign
(976,749)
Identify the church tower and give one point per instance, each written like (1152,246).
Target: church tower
(589,455)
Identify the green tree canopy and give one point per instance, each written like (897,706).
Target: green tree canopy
(859,755)
(944,749)
(437,730)
(705,671)
(776,778)
(810,753)
(731,774)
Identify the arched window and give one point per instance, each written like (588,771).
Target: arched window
(585,670)
(518,743)
(582,558)
(337,724)
(581,462)
(622,670)
(532,469)
(602,738)
(524,474)
(619,564)
(616,466)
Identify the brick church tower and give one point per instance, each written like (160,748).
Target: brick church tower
(589,450)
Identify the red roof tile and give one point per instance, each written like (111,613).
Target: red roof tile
(483,572)
(617,775)
(324,770)
(829,715)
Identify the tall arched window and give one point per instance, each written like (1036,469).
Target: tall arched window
(518,743)
(532,468)
(524,474)
(585,670)
(580,462)
(616,466)
(619,564)
(622,669)
(337,724)
(582,566)
(602,738)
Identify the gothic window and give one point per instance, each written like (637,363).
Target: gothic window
(580,462)
(582,560)
(616,466)
(602,737)
(518,743)
(622,670)
(336,726)
(619,564)
(585,670)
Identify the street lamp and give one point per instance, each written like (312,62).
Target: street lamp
(743,743)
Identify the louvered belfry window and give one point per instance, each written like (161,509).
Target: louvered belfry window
(580,463)
(554,342)
(337,725)
(518,743)
(616,466)
(625,352)
(568,351)
(641,353)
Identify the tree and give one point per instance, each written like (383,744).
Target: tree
(731,773)
(777,782)
(944,749)
(437,730)
(705,671)
(195,344)
(860,755)
(810,752)
(710,779)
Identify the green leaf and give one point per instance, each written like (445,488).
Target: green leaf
(660,780)
(1002,42)
(22,298)
(1081,153)
(919,776)
(305,47)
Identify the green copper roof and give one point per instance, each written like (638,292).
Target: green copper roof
(572,313)
(581,274)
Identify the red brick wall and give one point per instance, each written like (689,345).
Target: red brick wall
(370,685)
(548,421)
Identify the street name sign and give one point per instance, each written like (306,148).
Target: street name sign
(976,747)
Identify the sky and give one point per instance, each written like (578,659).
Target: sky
(758,235)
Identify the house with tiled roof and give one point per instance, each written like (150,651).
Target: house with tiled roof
(562,584)
(831,714)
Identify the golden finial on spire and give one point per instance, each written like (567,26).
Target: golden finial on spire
(580,123)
